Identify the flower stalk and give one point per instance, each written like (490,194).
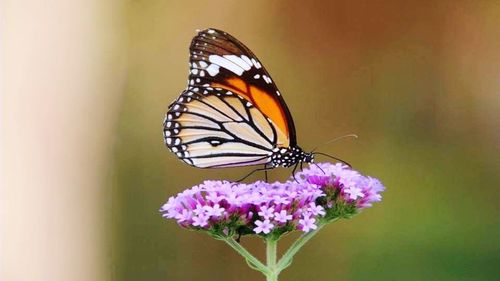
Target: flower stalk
(273,267)
(322,193)
(287,258)
(271,252)
(252,261)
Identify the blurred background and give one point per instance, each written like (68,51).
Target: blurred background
(85,86)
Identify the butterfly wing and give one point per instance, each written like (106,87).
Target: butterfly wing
(232,114)
(219,60)
(215,128)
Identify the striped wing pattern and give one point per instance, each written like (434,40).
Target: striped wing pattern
(232,113)
(218,59)
(215,128)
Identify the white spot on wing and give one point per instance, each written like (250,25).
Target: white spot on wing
(213,69)
(247,60)
(227,64)
(240,62)
(256,63)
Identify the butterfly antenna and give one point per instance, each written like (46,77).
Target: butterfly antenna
(338,159)
(336,139)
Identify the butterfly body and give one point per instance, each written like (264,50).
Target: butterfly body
(287,157)
(231,113)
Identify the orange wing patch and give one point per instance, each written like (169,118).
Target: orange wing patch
(265,102)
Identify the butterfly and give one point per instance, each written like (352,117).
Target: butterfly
(232,113)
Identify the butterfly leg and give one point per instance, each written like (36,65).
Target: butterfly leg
(301,166)
(319,168)
(249,174)
(293,172)
(265,173)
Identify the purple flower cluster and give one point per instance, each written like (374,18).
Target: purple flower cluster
(352,186)
(322,192)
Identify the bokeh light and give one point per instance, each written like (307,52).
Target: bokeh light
(417,81)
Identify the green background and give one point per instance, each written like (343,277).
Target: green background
(418,81)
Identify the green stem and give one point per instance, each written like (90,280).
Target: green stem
(252,261)
(271,250)
(287,258)
(272,268)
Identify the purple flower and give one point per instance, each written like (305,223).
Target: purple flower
(263,226)
(354,192)
(200,220)
(307,224)
(213,197)
(184,216)
(266,212)
(199,210)
(215,211)
(280,200)
(282,216)
(323,192)
(316,210)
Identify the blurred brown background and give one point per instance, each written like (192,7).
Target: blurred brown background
(85,85)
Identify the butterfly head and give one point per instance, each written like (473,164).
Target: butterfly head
(308,157)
